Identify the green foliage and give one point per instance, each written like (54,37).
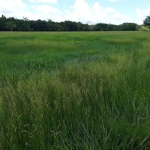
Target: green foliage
(10,25)
(42,25)
(143,28)
(128,27)
(74,91)
(147,21)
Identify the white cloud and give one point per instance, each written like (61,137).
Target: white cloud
(11,6)
(43,1)
(18,9)
(44,9)
(45,12)
(81,11)
(141,14)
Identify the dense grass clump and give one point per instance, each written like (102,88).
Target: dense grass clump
(75,91)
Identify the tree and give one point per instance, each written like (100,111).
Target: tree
(147,21)
(10,25)
(2,23)
(80,27)
(101,27)
(128,27)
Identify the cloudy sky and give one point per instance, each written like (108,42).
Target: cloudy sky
(85,11)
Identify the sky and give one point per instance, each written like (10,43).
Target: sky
(85,11)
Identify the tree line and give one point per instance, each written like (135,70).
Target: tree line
(24,24)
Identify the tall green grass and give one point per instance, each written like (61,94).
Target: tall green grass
(75,91)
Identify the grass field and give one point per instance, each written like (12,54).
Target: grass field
(75,91)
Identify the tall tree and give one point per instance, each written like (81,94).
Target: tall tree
(10,25)
(2,23)
(147,21)
(25,24)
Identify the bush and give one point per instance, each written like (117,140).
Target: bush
(143,28)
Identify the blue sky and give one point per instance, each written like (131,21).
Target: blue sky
(85,11)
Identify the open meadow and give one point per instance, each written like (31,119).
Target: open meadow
(74,90)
